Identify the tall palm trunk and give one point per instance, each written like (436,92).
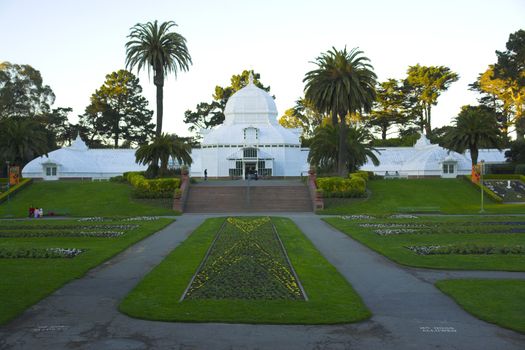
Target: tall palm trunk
(158,80)
(474,153)
(342,159)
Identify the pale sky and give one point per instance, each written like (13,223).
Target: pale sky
(74,44)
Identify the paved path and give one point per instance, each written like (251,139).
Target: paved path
(409,313)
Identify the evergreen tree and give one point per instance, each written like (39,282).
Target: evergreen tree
(118,112)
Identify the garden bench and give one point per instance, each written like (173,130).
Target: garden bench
(395,175)
(419,210)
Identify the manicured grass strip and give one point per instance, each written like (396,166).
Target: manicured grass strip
(496,301)
(79,198)
(449,196)
(394,246)
(331,298)
(23,282)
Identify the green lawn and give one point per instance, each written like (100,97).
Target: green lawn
(448,196)
(331,298)
(77,198)
(497,301)
(24,282)
(443,231)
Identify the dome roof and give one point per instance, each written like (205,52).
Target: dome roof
(250,105)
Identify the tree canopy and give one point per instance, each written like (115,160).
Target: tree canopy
(118,111)
(303,115)
(389,108)
(426,84)
(510,68)
(29,126)
(23,92)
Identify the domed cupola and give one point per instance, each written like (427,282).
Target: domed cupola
(250,105)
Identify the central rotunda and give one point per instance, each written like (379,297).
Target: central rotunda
(250,141)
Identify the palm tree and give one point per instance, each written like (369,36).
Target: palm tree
(162,148)
(161,51)
(474,127)
(359,148)
(324,148)
(343,84)
(22,140)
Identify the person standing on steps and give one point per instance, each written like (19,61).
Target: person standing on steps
(205,174)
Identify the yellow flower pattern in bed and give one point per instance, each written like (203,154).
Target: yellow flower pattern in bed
(246,261)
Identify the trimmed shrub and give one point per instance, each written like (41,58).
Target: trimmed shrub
(361,174)
(340,187)
(505,177)
(155,188)
(520,169)
(504,168)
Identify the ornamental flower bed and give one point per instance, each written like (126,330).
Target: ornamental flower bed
(357,217)
(387,229)
(466,249)
(142,218)
(403,216)
(39,253)
(516,192)
(37,234)
(246,261)
(69,227)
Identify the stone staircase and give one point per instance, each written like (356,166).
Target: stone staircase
(242,199)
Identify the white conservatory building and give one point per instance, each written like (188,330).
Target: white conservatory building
(427,160)
(250,140)
(80,162)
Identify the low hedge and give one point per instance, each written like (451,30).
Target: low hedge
(14,189)
(152,188)
(487,191)
(504,177)
(340,187)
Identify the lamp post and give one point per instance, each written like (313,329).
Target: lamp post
(482,163)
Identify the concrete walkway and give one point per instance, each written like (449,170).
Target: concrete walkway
(409,312)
